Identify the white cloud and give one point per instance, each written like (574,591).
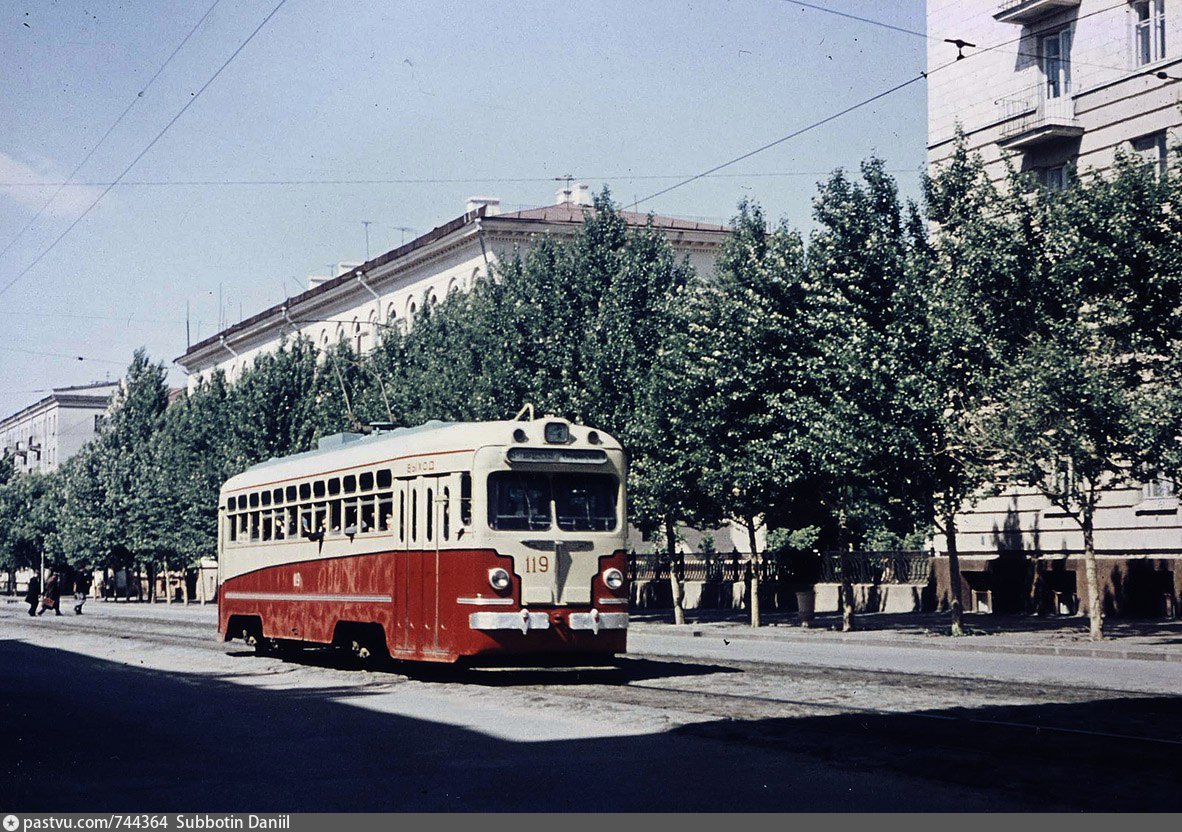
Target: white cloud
(20,183)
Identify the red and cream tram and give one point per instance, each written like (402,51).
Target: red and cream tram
(442,542)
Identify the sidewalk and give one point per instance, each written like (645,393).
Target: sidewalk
(1151,640)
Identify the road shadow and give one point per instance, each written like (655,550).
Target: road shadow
(620,670)
(83,734)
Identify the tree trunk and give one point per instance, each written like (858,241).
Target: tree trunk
(848,620)
(674,581)
(168,573)
(750,523)
(1095,605)
(953,573)
(185,586)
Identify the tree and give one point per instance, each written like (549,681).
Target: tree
(861,435)
(980,293)
(743,346)
(1077,412)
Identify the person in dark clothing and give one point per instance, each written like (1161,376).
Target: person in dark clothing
(33,595)
(81,587)
(53,595)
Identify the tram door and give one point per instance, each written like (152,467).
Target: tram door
(418,574)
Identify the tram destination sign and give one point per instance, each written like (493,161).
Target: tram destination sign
(571,456)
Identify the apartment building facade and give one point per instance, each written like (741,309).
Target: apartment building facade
(1048,85)
(361,302)
(42,436)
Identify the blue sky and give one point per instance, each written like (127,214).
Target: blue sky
(612,93)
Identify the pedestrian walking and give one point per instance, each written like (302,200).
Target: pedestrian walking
(52,598)
(81,587)
(33,594)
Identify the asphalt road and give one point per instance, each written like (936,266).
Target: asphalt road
(132,708)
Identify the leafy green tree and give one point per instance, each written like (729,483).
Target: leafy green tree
(979,299)
(861,435)
(739,406)
(1078,411)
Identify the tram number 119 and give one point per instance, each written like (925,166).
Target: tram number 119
(540,563)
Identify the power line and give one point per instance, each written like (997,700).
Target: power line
(861,19)
(783,139)
(192,99)
(64,355)
(110,130)
(995,48)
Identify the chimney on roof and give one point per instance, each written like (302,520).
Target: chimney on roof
(491,204)
(573,194)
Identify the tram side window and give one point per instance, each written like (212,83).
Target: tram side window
(385,510)
(446,501)
(350,515)
(243,524)
(430,512)
(350,483)
(318,488)
(232,527)
(320,517)
(365,481)
(266,525)
(367,515)
(518,502)
(254,525)
(334,486)
(466,498)
(414,514)
(306,522)
(291,494)
(385,478)
(305,490)
(402,517)
(334,516)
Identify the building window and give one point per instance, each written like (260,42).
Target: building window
(1152,150)
(1054,179)
(1056,63)
(1149,31)
(1159,488)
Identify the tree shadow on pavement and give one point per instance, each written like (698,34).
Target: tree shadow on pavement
(84,734)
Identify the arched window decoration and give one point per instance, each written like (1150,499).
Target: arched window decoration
(340,333)
(391,315)
(324,339)
(358,336)
(475,277)
(453,286)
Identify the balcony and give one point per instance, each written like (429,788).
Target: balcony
(1031,118)
(1030,11)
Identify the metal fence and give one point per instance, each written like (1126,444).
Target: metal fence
(894,567)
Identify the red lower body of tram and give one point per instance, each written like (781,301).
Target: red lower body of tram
(422,606)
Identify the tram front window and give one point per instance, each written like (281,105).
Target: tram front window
(518,502)
(582,502)
(585,502)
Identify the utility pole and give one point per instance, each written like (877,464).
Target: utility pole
(367,224)
(403,229)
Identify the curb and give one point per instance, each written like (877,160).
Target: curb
(961,645)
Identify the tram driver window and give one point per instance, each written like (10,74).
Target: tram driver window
(518,502)
(585,502)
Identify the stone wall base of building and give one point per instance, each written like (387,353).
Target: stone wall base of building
(1134,587)
(732,595)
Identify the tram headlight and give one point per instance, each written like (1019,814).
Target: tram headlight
(499,579)
(613,578)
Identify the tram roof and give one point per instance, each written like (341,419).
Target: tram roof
(346,450)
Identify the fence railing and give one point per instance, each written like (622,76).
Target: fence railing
(893,567)
(890,567)
(1036,107)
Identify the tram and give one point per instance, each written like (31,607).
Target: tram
(444,542)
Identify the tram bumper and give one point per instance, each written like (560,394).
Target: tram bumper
(596,621)
(526,621)
(523,621)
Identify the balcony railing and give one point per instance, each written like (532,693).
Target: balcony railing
(1032,117)
(1029,11)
